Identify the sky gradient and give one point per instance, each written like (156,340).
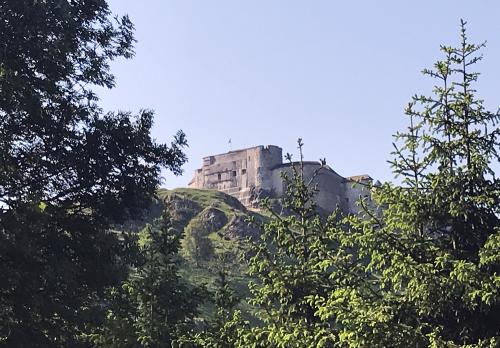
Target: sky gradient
(338,74)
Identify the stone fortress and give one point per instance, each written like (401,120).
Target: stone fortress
(253,173)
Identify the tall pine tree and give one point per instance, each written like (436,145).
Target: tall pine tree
(294,263)
(433,252)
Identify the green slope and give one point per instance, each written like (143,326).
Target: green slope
(215,238)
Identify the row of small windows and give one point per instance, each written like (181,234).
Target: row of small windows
(233,174)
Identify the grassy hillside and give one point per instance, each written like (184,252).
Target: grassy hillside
(215,237)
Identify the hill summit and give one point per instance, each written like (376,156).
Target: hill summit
(254,173)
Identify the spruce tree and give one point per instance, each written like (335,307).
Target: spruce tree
(433,251)
(294,264)
(221,330)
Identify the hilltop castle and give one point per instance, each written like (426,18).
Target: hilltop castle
(253,173)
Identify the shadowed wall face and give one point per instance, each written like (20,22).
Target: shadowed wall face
(331,186)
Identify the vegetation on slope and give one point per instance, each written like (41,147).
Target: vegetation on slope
(215,238)
(423,273)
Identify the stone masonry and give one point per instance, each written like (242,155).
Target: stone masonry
(253,173)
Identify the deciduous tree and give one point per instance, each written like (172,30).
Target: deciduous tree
(154,306)
(67,170)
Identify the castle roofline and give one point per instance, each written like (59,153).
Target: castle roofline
(289,164)
(362,177)
(243,149)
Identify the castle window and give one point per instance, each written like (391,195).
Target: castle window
(218,176)
(234,172)
(243,171)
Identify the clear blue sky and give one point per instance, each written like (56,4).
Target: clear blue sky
(335,73)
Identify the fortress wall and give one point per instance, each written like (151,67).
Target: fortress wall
(197,180)
(354,190)
(237,172)
(254,173)
(269,157)
(330,184)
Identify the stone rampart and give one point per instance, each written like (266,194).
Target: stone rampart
(253,173)
(240,173)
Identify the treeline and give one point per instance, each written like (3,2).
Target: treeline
(420,267)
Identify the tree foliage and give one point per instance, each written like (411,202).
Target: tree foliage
(154,306)
(419,270)
(197,244)
(433,252)
(290,269)
(67,171)
(220,331)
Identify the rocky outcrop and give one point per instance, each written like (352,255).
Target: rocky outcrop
(239,227)
(212,219)
(207,211)
(181,209)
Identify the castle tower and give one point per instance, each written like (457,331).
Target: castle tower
(254,173)
(245,174)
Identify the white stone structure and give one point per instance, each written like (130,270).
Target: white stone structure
(253,173)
